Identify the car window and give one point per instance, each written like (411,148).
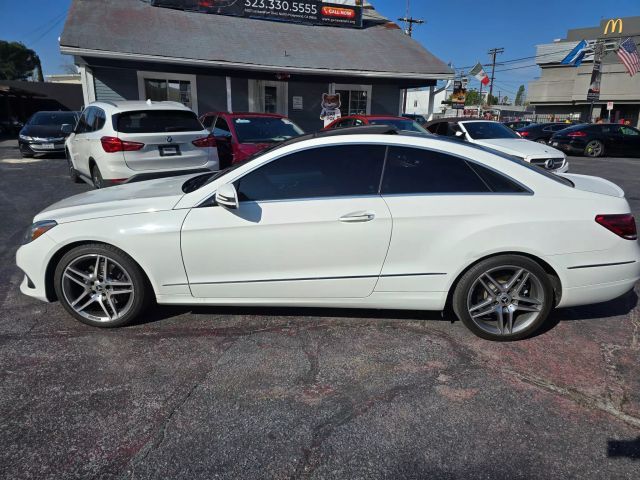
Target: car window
(401,124)
(255,129)
(629,131)
(156,121)
(497,182)
(207,121)
(53,118)
(221,128)
(488,130)
(611,129)
(557,128)
(357,122)
(331,171)
(100,119)
(414,170)
(82,125)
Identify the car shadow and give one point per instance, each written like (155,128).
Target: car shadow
(164,312)
(624,449)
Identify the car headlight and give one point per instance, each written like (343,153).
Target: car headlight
(37,229)
(26,138)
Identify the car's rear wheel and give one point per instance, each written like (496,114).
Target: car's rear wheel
(73,175)
(542,141)
(96,177)
(504,298)
(100,285)
(594,149)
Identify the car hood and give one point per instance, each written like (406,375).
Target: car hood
(521,148)
(43,131)
(127,199)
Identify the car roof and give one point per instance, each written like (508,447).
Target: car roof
(454,120)
(131,105)
(381,117)
(245,114)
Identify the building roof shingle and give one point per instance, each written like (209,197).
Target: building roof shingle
(134,29)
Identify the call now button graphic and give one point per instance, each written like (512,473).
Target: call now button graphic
(337,12)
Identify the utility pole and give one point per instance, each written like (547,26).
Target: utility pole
(409,21)
(493,52)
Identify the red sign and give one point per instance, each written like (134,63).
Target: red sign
(338,12)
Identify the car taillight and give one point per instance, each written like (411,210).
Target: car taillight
(524,134)
(204,142)
(113,144)
(622,225)
(576,134)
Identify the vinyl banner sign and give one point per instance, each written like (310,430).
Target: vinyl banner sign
(593,94)
(310,12)
(459,97)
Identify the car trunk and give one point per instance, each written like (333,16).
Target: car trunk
(594,185)
(162,139)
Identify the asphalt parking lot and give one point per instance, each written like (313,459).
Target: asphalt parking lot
(292,393)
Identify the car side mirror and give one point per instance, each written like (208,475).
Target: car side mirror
(66,128)
(227,197)
(459,134)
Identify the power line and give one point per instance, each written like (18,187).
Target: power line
(45,25)
(47,31)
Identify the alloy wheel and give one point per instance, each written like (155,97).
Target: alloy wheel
(505,300)
(96,177)
(594,148)
(98,288)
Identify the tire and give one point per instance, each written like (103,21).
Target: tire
(26,154)
(97,300)
(542,141)
(594,149)
(96,177)
(479,303)
(73,174)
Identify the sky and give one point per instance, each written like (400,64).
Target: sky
(460,32)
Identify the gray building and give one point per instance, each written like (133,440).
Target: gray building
(128,49)
(562,90)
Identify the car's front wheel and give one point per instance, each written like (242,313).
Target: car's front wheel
(504,298)
(100,285)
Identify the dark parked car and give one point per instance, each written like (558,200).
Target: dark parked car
(541,132)
(596,140)
(516,124)
(401,123)
(43,132)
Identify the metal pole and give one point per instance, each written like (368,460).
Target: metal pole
(493,52)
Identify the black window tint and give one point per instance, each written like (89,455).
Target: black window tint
(319,172)
(208,121)
(221,128)
(154,121)
(497,182)
(99,120)
(413,170)
(91,120)
(82,126)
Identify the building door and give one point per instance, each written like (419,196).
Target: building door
(267,96)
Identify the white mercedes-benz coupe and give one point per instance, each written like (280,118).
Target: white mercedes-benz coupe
(354,218)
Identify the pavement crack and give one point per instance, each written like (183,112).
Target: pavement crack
(346,413)
(581,398)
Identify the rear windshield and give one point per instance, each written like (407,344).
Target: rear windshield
(152,121)
(53,118)
(265,129)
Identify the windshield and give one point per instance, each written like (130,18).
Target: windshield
(265,129)
(488,130)
(154,121)
(405,125)
(53,118)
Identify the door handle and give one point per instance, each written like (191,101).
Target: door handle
(358,217)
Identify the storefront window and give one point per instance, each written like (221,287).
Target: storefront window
(160,87)
(270,99)
(355,99)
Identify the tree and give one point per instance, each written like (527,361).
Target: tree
(473,98)
(18,62)
(520,96)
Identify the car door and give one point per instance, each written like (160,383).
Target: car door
(311,224)
(612,138)
(441,206)
(224,141)
(630,141)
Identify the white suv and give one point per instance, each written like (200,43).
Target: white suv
(115,142)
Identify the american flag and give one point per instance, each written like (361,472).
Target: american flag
(628,54)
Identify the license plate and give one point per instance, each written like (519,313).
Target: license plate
(47,146)
(169,150)
(555,144)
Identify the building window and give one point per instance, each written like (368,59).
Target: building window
(158,87)
(356,99)
(266,96)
